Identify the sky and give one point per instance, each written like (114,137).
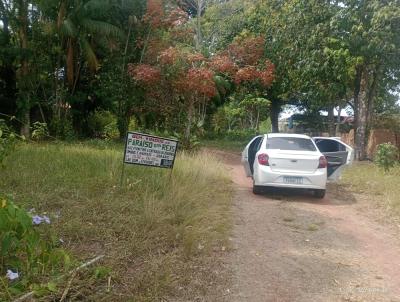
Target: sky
(288,110)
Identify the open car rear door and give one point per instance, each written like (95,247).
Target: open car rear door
(337,153)
(249,153)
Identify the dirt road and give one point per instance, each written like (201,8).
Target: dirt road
(298,248)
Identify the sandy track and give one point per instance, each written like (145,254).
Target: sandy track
(298,248)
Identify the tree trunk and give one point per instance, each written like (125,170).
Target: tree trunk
(7,72)
(123,113)
(61,14)
(362,117)
(70,64)
(251,120)
(274,115)
(357,83)
(25,129)
(258,122)
(123,125)
(338,121)
(24,70)
(371,97)
(189,121)
(198,24)
(331,121)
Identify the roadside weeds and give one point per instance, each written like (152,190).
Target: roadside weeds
(161,237)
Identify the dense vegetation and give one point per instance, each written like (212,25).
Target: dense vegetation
(95,68)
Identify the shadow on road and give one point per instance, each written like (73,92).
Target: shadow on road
(336,195)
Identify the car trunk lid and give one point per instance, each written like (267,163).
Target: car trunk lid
(293,161)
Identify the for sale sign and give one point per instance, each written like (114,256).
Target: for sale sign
(149,150)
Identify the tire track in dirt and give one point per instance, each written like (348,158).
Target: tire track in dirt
(293,247)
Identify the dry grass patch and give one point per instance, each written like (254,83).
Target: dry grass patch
(158,234)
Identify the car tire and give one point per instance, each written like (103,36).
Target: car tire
(257,190)
(319,193)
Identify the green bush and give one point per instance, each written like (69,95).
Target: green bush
(62,128)
(132,124)
(240,134)
(7,141)
(103,124)
(245,134)
(39,131)
(111,131)
(265,126)
(27,254)
(386,156)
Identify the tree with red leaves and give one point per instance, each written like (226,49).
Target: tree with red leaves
(146,74)
(244,63)
(253,67)
(247,51)
(223,64)
(178,75)
(180,78)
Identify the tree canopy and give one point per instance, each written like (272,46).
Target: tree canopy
(193,66)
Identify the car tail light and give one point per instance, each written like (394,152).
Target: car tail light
(263,159)
(323,163)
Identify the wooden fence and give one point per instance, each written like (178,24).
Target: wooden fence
(376,137)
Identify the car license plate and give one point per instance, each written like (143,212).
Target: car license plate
(293,180)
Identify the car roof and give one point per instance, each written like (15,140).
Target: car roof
(287,135)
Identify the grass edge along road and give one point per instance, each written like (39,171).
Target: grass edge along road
(161,236)
(380,188)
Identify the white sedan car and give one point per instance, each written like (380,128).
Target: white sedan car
(295,161)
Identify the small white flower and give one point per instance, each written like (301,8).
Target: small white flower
(46,219)
(11,275)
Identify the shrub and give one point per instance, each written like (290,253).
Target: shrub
(40,131)
(26,254)
(245,134)
(7,140)
(103,124)
(111,131)
(132,124)
(62,128)
(386,156)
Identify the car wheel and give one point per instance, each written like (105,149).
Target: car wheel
(319,193)
(257,190)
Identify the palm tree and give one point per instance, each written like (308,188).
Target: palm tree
(82,26)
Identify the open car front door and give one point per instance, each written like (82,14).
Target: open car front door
(337,153)
(249,154)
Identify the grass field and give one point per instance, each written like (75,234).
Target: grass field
(383,188)
(159,234)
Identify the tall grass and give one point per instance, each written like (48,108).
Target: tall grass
(382,187)
(157,231)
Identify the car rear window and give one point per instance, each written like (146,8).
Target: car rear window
(290,143)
